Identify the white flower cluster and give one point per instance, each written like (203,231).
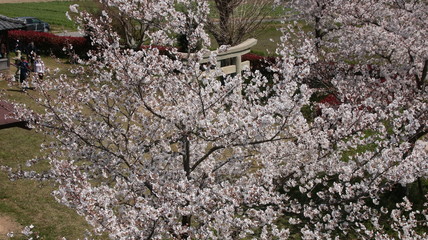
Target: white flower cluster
(155,146)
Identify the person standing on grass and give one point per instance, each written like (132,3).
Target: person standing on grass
(24,69)
(31,54)
(39,67)
(17,46)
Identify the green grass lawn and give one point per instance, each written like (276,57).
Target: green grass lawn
(267,39)
(270,10)
(27,201)
(50,12)
(30,202)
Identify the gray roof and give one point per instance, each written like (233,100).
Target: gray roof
(7,23)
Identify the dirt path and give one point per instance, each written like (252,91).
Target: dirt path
(7,224)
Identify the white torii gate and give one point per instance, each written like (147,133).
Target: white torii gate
(234,53)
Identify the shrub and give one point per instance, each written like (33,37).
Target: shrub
(330,99)
(258,62)
(48,43)
(163,50)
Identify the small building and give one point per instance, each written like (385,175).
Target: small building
(6,24)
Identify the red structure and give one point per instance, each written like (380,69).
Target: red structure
(5,122)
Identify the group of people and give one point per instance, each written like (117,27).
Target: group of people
(26,65)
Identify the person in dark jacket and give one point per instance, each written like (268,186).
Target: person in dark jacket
(24,70)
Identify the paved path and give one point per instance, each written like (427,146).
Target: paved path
(70,34)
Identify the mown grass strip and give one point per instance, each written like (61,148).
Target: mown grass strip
(50,12)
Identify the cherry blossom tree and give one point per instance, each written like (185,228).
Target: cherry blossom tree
(154,146)
(372,32)
(134,21)
(386,34)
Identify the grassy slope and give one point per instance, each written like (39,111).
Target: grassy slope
(267,39)
(30,202)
